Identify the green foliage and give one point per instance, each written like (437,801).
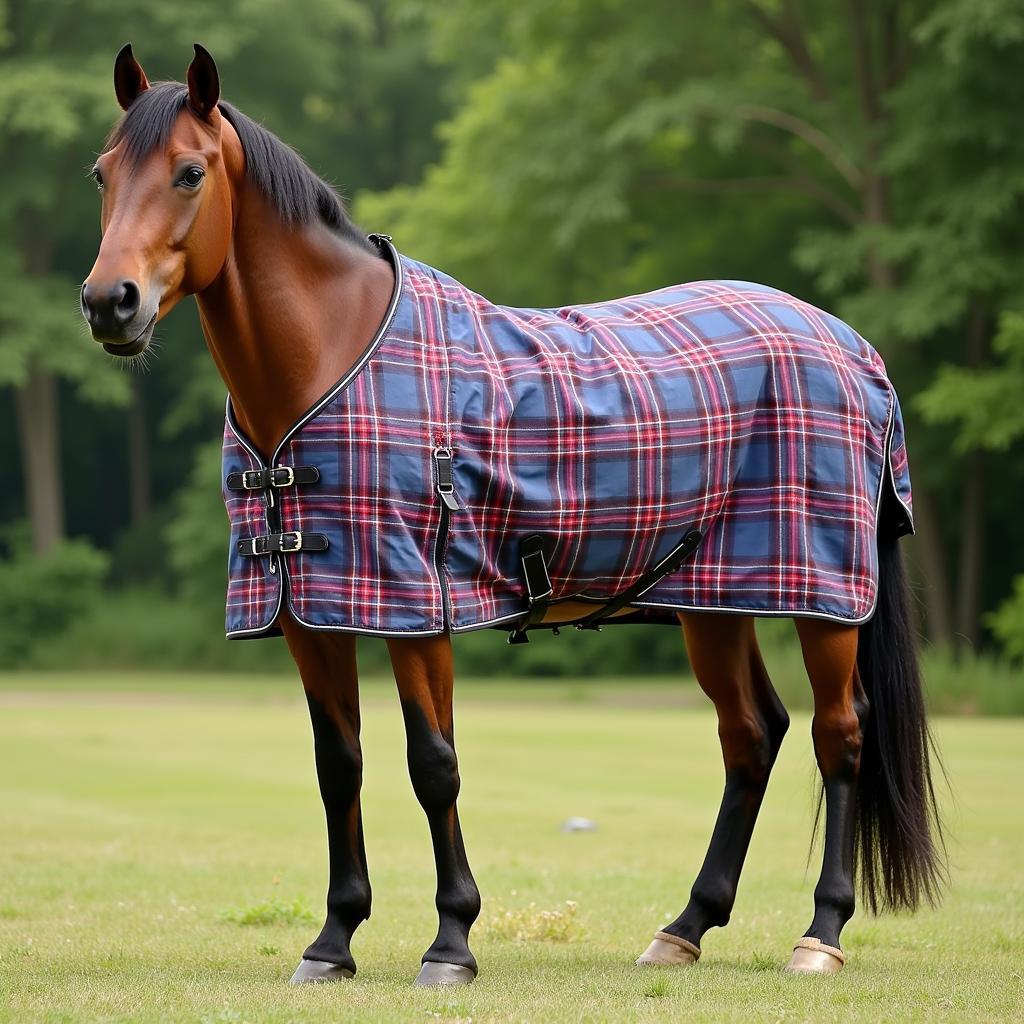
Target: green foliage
(133,626)
(197,535)
(1007,621)
(544,152)
(271,912)
(985,405)
(40,596)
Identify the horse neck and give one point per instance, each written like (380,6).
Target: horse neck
(291,311)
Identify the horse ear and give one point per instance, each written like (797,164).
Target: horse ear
(203,83)
(129,78)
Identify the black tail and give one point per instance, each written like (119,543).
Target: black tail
(900,848)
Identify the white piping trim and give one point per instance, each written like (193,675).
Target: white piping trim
(884,476)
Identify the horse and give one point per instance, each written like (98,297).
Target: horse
(197,199)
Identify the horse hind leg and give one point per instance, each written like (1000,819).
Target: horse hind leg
(751,725)
(840,706)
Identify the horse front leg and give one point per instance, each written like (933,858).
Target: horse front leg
(327,665)
(424,674)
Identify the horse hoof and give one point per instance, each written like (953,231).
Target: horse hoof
(669,950)
(812,956)
(432,973)
(319,972)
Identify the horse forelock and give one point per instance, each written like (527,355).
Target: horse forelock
(278,171)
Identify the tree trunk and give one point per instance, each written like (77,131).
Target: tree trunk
(927,551)
(138,454)
(37,410)
(972,550)
(972,506)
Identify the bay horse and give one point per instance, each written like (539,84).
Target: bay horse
(199,200)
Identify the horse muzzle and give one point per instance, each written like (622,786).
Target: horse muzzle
(116,316)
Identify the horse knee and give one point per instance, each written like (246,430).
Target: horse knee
(434,770)
(339,759)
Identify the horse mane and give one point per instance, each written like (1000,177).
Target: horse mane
(299,195)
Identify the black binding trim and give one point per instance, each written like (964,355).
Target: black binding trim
(279,476)
(282,543)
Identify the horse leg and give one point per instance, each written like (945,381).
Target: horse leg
(327,665)
(840,707)
(424,674)
(751,724)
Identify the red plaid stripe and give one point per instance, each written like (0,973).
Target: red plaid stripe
(611,429)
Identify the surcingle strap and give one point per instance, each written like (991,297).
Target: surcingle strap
(282,543)
(279,476)
(671,563)
(538,586)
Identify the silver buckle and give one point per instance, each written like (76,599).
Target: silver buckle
(253,542)
(248,474)
(298,542)
(288,480)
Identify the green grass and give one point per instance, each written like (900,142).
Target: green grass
(161,845)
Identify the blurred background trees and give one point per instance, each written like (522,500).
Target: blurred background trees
(865,155)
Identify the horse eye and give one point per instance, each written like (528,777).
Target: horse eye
(97,177)
(192,177)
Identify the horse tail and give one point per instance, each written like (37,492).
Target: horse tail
(899,840)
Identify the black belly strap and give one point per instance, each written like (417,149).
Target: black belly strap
(538,586)
(539,589)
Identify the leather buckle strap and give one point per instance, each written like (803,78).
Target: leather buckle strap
(671,563)
(538,586)
(282,543)
(277,476)
(445,479)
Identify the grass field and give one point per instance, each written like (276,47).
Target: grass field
(162,858)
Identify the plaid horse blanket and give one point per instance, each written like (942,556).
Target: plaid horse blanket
(398,504)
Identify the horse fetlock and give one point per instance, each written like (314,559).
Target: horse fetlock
(461,902)
(349,901)
(714,898)
(835,899)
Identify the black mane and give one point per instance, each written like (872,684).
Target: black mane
(299,195)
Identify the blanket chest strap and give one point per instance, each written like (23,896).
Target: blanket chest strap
(281,543)
(279,476)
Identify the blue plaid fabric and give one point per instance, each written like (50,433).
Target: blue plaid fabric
(610,429)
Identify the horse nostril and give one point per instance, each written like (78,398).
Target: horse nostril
(126,300)
(88,299)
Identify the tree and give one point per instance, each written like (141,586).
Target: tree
(56,105)
(586,139)
(47,105)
